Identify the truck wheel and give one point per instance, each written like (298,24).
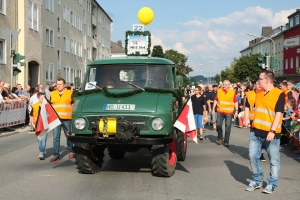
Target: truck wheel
(88,158)
(181,145)
(116,153)
(164,160)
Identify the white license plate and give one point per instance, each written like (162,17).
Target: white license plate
(119,107)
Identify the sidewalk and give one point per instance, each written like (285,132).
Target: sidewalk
(14,130)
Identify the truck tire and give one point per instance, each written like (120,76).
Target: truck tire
(116,153)
(181,145)
(164,160)
(88,158)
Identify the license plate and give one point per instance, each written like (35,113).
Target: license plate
(119,107)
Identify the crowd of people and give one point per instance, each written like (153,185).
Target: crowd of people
(58,94)
(270,110)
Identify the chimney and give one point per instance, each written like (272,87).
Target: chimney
(120,43)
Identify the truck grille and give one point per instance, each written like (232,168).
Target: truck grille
(142,121)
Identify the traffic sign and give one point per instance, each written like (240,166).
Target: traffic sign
(290,42)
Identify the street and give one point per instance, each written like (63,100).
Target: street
(209,172)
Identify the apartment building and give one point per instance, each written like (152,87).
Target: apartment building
(59,38)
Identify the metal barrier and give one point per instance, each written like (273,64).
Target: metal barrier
(12,114)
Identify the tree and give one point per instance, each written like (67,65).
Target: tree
(246,66)
(158,51)
(180,61)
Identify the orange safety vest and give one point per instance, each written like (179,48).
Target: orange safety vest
(62,104)
(225,101)
(35,111)
(251,100)
(264,114)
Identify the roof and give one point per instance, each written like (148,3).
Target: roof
(103,10)
(115,48)
(132,60)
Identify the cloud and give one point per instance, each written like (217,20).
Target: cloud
(204,39)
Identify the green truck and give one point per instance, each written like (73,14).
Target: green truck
(126,104)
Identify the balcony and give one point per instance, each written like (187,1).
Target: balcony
(94,21)
(95,44)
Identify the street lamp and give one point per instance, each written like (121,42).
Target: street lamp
(256,36)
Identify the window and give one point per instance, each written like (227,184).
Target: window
(49,72)
(297,62)
(291,23)
(66,74)
(65,12)
(58,59)
(3,6)
(89,7)
(84,16)
(72,17)
(75,48)
(50,5)
(58,2)
(292,63)
(297,19)
(80,2)
(68,14)
(49,37)
(88,31)
(79,74)
(32,15)
(72,47)
(286,63)
(2,51)
(66,44)
(58,26)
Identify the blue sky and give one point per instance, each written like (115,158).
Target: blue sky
(201,29)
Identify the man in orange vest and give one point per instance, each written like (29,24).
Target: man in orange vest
(269,106)
(227,107)
(61,100)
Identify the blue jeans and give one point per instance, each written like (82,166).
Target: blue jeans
(256,143)
(56,138)
(42,144)
(228,121)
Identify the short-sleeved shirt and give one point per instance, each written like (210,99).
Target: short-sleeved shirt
(198,103)
(288,114)
(279,107)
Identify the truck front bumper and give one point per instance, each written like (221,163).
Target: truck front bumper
(136,141)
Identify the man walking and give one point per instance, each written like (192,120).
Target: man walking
(227,107)
(269,106)
(61,100)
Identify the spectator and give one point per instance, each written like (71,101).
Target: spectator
(47,91)
(40,88)
(2,83)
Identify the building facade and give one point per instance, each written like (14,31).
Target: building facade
(59,38)
(292,47)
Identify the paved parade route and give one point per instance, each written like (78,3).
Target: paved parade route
(209,172)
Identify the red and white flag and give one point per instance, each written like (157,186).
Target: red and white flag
(47,120)
(186,121)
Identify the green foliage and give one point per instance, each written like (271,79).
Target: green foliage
(246,66)
(240,69)
(157,52)
(180,61)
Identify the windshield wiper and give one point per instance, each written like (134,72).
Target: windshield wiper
(133,85)
(94,85)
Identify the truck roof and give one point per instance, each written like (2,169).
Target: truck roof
(132,60)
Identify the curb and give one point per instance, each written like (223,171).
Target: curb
(17,131)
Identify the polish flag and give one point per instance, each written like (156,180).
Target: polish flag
(47,120)
(186,121)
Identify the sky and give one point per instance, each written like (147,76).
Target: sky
(200,29)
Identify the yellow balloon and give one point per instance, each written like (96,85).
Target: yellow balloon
(145,15)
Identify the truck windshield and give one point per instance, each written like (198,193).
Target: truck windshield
(128,76)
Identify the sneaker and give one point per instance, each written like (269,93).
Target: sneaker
(32,130)
(41,157)
(262,158)
(269,189)
(253,185)
(201,137)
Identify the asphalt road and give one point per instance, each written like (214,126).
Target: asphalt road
(209,172)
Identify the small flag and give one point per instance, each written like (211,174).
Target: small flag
(186,121)
(47,120)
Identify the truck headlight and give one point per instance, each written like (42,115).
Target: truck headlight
(80,123)
(157,124)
